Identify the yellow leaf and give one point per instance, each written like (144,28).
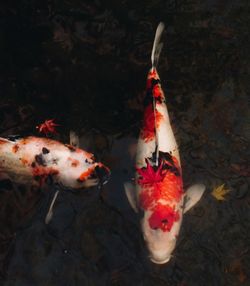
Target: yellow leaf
(219,192)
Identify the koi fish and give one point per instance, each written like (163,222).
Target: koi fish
(158,190)
(35,161)
(47,127)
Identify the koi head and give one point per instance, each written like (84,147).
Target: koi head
(79,170)
(98,174)
(102,173)
(160,231)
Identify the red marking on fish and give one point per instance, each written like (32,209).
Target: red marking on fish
(169,189)
(151,120)
(86,174)
(149,175)
(71,148)
(77,150)
(157,92)
(90,156)
(152,74)
(74,162)
(48,127)
(24,161)
(159,183)
(41,173)
(163,217)
(3,141)
(15,148)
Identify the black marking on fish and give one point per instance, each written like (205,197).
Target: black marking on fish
(45,150)
(167,157)
(33,164)
(87,161)
(14,137)
(40,160)
(164,221)
(149,93)
(154,82)
(55,161)
(70,147)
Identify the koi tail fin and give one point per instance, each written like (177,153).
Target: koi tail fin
(157,46)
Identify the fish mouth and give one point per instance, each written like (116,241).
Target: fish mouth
(103,174)
(160,261)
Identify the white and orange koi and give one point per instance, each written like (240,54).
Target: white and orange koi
(34,161)
(158,190)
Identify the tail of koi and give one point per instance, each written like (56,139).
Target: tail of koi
(157,46)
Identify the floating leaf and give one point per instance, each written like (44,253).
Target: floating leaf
(219,192)
(236,267)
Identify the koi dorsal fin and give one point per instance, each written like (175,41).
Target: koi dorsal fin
(157,46)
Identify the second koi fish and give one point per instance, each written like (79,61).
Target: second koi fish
(35,161)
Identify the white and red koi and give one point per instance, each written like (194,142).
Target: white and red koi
(35,160)
(158,190)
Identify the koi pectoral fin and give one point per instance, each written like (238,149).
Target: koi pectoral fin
(90,183)
(50,211)
(192,196)
(74,139)
(131,195)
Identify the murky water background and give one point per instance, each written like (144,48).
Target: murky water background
(84,63)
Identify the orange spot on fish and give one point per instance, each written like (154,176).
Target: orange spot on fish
(86,174)
(24,161)
(3,141)
(25,141)
(74,162)
(15,148)
(89,156)
(71,148)
(77,150)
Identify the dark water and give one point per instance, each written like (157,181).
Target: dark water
(84,63)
